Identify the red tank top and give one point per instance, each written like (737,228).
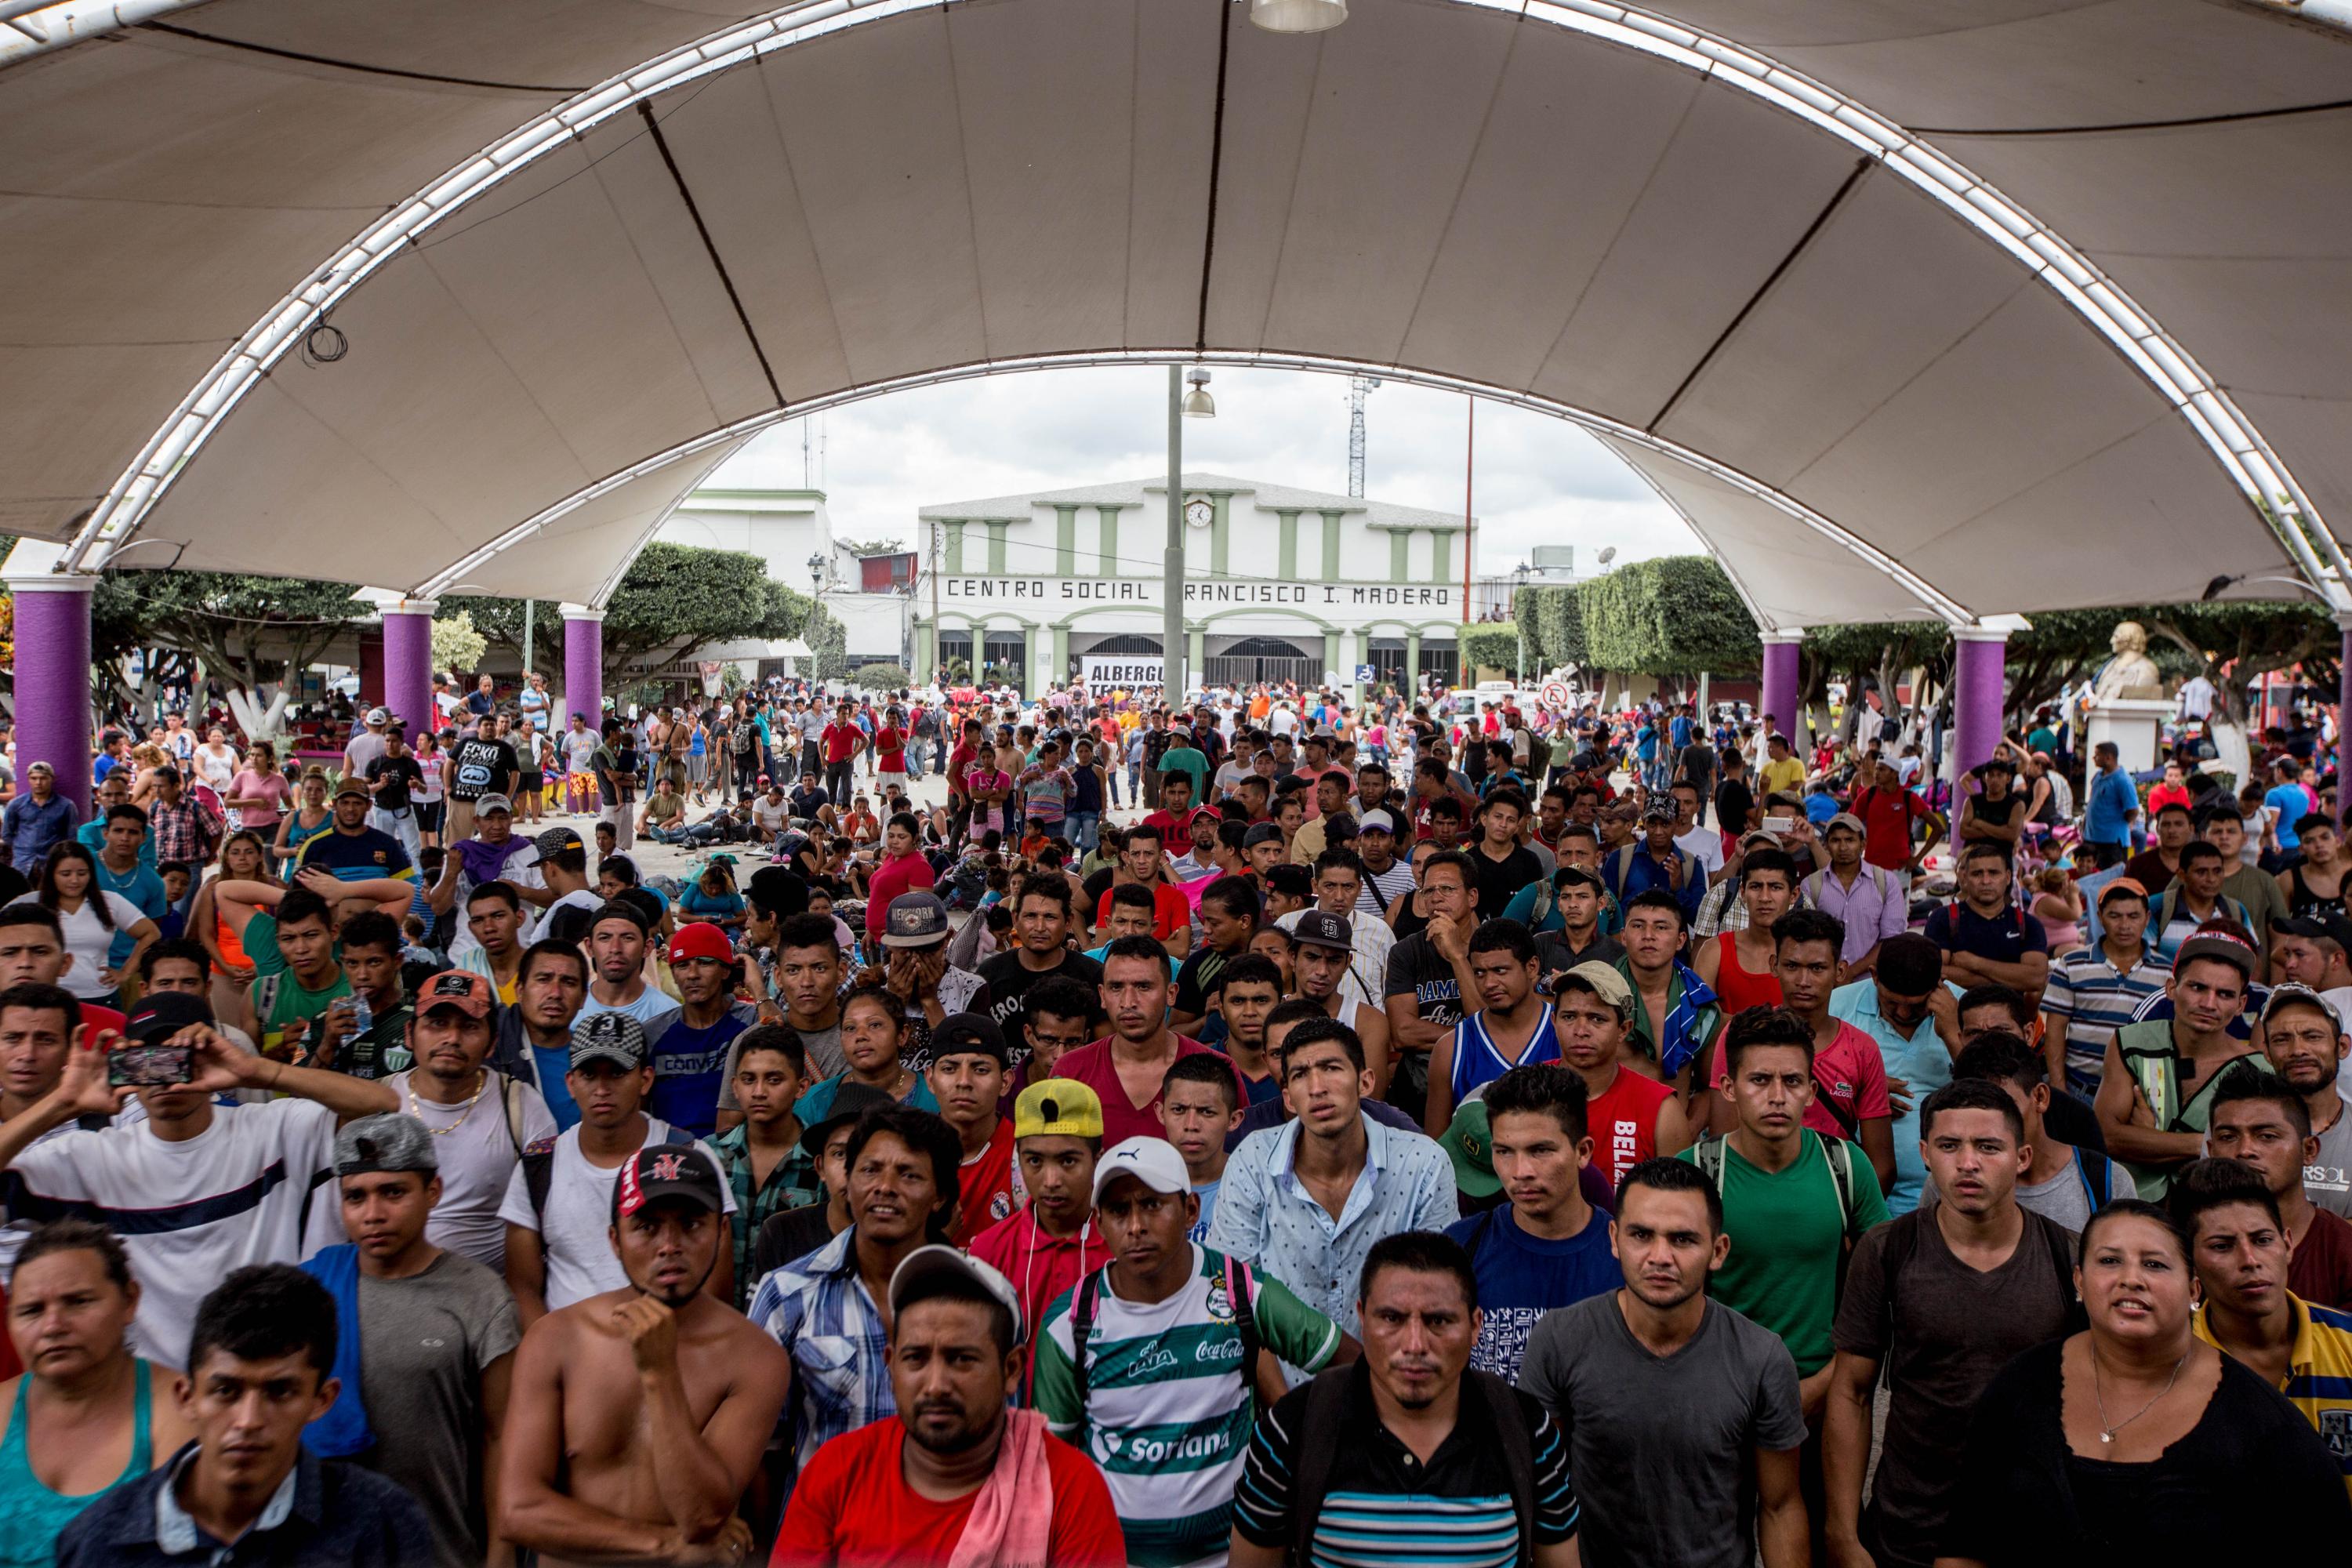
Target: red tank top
(1741,988)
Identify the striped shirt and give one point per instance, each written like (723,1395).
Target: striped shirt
(818,1309)
(2091,998)
(1383,1508)
(1169,1404)
(2319,1373)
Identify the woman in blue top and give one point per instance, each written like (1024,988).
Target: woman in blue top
(83,1420)
(712,896)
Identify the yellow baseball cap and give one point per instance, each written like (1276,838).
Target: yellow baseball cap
(1057,1107)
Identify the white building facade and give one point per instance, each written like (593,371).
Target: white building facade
(787,529)
(1279,583)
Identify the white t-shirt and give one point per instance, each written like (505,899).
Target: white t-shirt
(578,898)
(772,817)
(580,749)
(479,1153)
(1703,845)
(654,1008)
(229,1197)
(217,768)
(574,1230)
(1282,721)
(87,940)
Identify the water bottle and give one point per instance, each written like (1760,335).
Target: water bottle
(362,1015)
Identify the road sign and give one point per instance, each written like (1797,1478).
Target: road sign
(1365,674)
(1555,694)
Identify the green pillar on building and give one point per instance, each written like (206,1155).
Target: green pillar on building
(1332,668)
(1400,542)
(1061,669)
(955,550)
(1411,661)
(1196,643)
(1440,559)
(1221,535)
(1286,544)
(1331,547)
(1065,541)
(927,650)
(997,528)
(1106,560)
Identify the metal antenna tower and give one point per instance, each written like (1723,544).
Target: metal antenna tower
(1359,388)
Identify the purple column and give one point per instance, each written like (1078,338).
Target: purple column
(408,662)
(2343,720)
(53,707)
(1779,697)
(1980,668)
(583,664)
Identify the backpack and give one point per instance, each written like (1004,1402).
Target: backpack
(1240,1290)
(539,1165)
(745,739)
(1708,1155)
(1319,1434)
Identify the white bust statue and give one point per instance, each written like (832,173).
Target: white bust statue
(2131,673)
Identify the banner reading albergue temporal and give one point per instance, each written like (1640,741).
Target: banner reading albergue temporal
(1107,674)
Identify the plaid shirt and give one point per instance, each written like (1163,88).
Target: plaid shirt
(821,1315)
(791,1185)
(187,832)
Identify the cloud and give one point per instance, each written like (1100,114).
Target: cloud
(1537,478)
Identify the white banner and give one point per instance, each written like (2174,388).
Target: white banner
(1107,674)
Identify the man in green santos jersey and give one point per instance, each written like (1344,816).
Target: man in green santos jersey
(1175,1351)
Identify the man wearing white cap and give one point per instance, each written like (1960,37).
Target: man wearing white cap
(1387,877)
(952,1475)
(1185,1330)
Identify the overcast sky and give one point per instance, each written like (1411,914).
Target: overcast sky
(1538,479)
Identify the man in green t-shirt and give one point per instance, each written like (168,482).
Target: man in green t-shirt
(1794,1202)
(1163,1400)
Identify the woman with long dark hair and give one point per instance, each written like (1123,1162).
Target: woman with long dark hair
(90,918)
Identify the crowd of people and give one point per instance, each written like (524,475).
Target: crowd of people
(1442,1133)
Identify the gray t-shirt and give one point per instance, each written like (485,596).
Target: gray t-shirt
(2327,1180)
(824,1060)
(1943,1330)
(425,1343)
(1660,1446)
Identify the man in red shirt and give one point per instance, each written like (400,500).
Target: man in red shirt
(1052,1244)
(906,1488)
(1174,818)
(1887,811)
(890,752)
(967,1077)
(1630,1118)
(842,741)
(1126,1069)
(1145,863)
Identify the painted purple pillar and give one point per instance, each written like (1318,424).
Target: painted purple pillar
(2342,718)
(408,662)
(1781,676)
(583,664)
(53,696)
(1980,672)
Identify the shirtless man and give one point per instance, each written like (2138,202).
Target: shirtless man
(655,1400)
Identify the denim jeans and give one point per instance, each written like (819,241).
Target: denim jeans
(1083,827)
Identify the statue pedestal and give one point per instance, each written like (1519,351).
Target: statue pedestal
(2135,725)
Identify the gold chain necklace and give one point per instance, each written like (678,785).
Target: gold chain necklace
(416,1110)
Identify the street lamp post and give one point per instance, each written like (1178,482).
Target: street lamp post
(1182,405)
(816,600)
(1519,578)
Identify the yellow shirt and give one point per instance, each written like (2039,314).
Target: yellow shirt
(2319,1374)
(1786,775)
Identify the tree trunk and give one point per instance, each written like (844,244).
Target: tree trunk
(261,720)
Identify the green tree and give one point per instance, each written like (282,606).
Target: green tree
(250,633)
(1489,645)
(1554,617)
(456,644)
(1674,614)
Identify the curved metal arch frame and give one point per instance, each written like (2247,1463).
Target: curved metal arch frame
(1931,598)
(2261,476)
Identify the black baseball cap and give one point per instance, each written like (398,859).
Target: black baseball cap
(659,1172)
(1315,928)
(850,1101)
(968,1034)
(162,1014)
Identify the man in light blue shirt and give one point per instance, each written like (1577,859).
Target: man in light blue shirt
(2113,805)
(1268,1210)
(1895,1007)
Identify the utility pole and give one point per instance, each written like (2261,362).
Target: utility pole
(1359,388)
(933,574)
(1171,573)
(1469,454)
(526,641)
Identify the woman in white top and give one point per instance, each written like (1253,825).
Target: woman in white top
(428,796)
(90,920)
(216,760)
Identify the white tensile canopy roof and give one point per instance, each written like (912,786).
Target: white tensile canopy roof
(1953,308)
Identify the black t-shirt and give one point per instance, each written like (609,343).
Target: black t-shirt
(1009,981)
(2022,1500)
(1734,804)
(1699,765)
(789,1236)
(1096,887)
(805,800)
(1415,965)
(1195,976)
(1499,881)
(480,767)
(405,774)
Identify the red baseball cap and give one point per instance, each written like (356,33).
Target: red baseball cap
(469,993)
(700,939)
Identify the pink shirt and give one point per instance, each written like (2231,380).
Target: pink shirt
(906,874)
(1122,1118)
(247,786)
